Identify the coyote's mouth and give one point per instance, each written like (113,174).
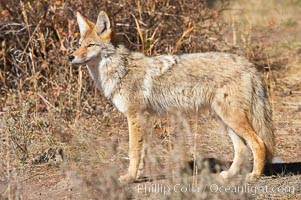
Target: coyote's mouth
(81,62)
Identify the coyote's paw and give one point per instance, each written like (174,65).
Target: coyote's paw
(225,174)
(140,173)
(126,179)
(251,177)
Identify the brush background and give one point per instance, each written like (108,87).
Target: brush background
(45,102)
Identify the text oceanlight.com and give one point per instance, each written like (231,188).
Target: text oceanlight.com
(214,188)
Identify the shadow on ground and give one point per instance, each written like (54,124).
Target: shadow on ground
(215,166)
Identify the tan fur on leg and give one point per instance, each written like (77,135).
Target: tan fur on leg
(135,147)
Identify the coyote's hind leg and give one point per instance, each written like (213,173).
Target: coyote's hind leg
(240,152)
(238,121)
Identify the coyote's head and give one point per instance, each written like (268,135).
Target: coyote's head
(95,39)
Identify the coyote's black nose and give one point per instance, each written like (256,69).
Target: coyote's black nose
(71,58)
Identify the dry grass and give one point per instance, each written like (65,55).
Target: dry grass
(45,102)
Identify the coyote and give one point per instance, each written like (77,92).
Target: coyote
(137,84)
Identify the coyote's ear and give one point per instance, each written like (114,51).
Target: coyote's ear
(103,25)
(83,24)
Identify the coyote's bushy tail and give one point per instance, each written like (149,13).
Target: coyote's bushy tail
(261,117)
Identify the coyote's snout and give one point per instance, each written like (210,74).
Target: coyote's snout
(227,84)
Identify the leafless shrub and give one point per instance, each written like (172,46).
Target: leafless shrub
(36,38)
(20,129)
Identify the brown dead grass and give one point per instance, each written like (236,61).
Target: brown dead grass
(35,73)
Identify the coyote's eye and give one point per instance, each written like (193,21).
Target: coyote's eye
(91,45)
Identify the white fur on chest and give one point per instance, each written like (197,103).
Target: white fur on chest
(95,71)
(120,102)
(105,81)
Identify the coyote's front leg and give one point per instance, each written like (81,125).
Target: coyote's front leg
(135,146)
